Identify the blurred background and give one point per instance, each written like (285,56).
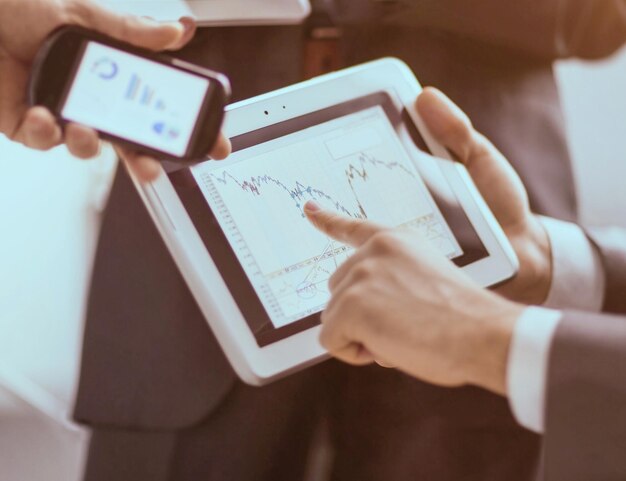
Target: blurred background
(49,209)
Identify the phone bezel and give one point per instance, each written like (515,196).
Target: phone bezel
(56,65)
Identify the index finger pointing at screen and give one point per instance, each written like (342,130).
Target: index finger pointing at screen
(354,232)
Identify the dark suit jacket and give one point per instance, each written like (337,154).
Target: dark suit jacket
(149,359)
(586,400)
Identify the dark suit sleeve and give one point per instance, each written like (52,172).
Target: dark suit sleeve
(585,435)
(611,243)
(549,28)
(586,393)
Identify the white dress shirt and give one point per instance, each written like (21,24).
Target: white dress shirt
(577,283)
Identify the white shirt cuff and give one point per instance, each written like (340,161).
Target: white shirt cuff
(577,272)
(527,366)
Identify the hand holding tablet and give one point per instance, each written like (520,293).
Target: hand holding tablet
(398,302)
(351,141)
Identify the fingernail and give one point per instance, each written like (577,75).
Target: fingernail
(312,207)
(182,29)
(149,21)
(188,23)
(186,29)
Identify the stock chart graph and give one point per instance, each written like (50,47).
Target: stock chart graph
(354,165)
(300,192)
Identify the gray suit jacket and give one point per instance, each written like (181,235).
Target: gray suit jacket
(586,404)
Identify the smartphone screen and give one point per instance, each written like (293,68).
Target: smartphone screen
(133,98)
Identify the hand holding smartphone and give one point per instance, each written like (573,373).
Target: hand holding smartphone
(138,99)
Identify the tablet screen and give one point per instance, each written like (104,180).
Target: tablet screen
(360,159)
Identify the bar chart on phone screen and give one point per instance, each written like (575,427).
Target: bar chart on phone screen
(354,165)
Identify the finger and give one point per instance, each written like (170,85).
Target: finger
(384,364)
(139,31)
(347,351)
(222,148)
(447,122)
(452,128)
(344,270)
(348,279)
(81,141)
(494,176)
(354,354)
(144,167)
(39,130)
(190,28)
(353,232)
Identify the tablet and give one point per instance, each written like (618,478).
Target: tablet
(353,142)
(218,12)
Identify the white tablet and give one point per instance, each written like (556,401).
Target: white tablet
(218,12)
(352,141)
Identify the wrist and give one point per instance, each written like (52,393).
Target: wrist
(540,255)
(532,283)
(490,343)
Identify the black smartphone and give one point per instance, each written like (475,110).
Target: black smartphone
(152,103)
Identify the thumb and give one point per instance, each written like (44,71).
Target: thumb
(495,178)
(139,31)
(453,128)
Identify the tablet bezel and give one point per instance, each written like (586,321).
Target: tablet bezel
(259,365)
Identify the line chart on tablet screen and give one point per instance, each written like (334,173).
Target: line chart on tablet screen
(354,165)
